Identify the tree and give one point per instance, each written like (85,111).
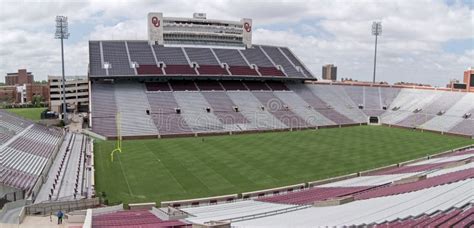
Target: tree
(36,101)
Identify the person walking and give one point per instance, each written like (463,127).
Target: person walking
(60,215)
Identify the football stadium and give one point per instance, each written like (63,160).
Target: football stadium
(198,126)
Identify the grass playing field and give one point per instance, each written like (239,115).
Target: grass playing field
(182,168)
(28,113)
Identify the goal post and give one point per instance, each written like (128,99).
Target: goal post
(118,142)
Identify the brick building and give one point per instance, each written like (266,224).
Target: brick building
(9,94)
(37,89)
(20,78)
(21,88)
(469,79)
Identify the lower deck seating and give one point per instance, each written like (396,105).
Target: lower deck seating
(465,127)
(163,112)
(223,107)
(418,185)
(455,217)
(25,155)
(311,195)
(280,110)
(300,106)
(132,218)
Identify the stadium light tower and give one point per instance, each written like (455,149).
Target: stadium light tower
(62,33)
(376,31)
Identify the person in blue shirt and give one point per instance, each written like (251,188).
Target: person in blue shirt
(60,215)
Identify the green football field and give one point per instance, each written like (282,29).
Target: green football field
(28,113)
(182,168)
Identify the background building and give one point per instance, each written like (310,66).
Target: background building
(21,88)
(456,84)
(77,93)
(20,78)
(34,89)
(8,94)
(329,72)
(469,79)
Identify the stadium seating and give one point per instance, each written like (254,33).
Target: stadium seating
(256,86)
(242,70)
(311,195)
(223,107)
(231,210)
(319,105)
(408,101)
(231,57)
(201,56)
(456,217)
(418,185)
(337,98)
(307,105)
(133,218)
(209,85)
(410,168)
(270,71)
(158,86)
(159,60)
(170,55)
(193,109)
(233,85)
(295,61)
(444,102)
(251,108)
(104,109)
(12,123)
(452,116)
(183,85)
(163,112)
(116,54)
(141,53)
(25,154)
(373,101)
(280,110)
(149,69)
(465,127)
(132,104)
(95,59)
(277,86)
(211,70)
(279,58)
(301,108)
(408,203)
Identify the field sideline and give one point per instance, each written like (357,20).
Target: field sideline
(183,168)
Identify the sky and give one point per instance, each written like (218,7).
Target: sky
(423,41)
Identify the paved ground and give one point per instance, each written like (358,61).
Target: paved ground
(43,222)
